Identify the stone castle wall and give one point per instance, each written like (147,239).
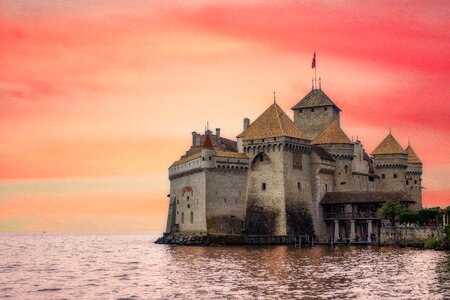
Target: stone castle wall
(404,236)
(226,200)
(392,172)
(188,194)
(313,121)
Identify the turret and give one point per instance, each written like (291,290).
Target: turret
(390,163)
(207,153)
(334,140)
(414,177)
(315,112)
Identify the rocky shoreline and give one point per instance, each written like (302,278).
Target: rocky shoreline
(188,240)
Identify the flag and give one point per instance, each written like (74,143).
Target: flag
(313,64)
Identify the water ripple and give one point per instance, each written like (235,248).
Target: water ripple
(121,266)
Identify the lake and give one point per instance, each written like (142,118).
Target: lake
(131,266)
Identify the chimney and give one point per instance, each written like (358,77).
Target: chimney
(246,123)
(198,139)
(217,133)
(194,134)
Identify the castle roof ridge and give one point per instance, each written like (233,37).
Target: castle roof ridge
(389,145)
(314,98)
(273,122)
(412,156)
(332,134)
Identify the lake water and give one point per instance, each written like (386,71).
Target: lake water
(131,266)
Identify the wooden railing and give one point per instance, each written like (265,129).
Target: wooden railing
(352,216)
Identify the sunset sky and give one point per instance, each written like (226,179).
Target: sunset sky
(98,98)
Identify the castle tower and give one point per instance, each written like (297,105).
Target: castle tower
(207,153)
(315,112)
(278,183)
(334,140)
(414,177)
(390,163)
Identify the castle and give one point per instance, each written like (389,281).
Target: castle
(286,178)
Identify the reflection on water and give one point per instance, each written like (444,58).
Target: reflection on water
(53,266)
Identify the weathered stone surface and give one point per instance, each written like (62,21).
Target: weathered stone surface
(407,236)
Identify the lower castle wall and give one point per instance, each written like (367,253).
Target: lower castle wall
(189,195)
(404,236)
(225,205)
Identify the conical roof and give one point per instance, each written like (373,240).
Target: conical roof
(272,123)
(333,134)
(313,99)
(412,156)
(207,144)
(389,146)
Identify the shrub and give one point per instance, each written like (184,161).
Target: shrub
(425,215)
(430,244)
(409,217)
(391,210)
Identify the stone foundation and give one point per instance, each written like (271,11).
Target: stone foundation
(206,240)
(410,237)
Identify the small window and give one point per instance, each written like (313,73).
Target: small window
(203,158)
(261,157)
(343,182)
(187,198)
(395,175)
(325,108)
(407,182)
(263,140)
(346,169)
(415,181)
(312,109)
(383,176)
(300,111)
(225,200)
(177,212)
(182,218)
(236,200)
(192,217)
(209,158)
(188,206)
(326,187)
(299,186)
(371,179)
(263,186)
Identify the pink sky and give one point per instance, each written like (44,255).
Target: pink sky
(97,99)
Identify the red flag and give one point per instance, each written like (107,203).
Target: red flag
(313,64)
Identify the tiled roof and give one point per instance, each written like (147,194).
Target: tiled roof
(389,146)
(412,156)
(272,123)
(187,158)
(364,197)
(313,99)
(207,144)
(231,154)
(333,134)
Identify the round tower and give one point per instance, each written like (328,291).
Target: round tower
(390,164)
(207,153)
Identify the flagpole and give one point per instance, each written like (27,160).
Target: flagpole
(315,67)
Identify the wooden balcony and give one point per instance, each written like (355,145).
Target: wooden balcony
(352,216)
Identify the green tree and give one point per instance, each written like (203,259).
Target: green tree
(391,210)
